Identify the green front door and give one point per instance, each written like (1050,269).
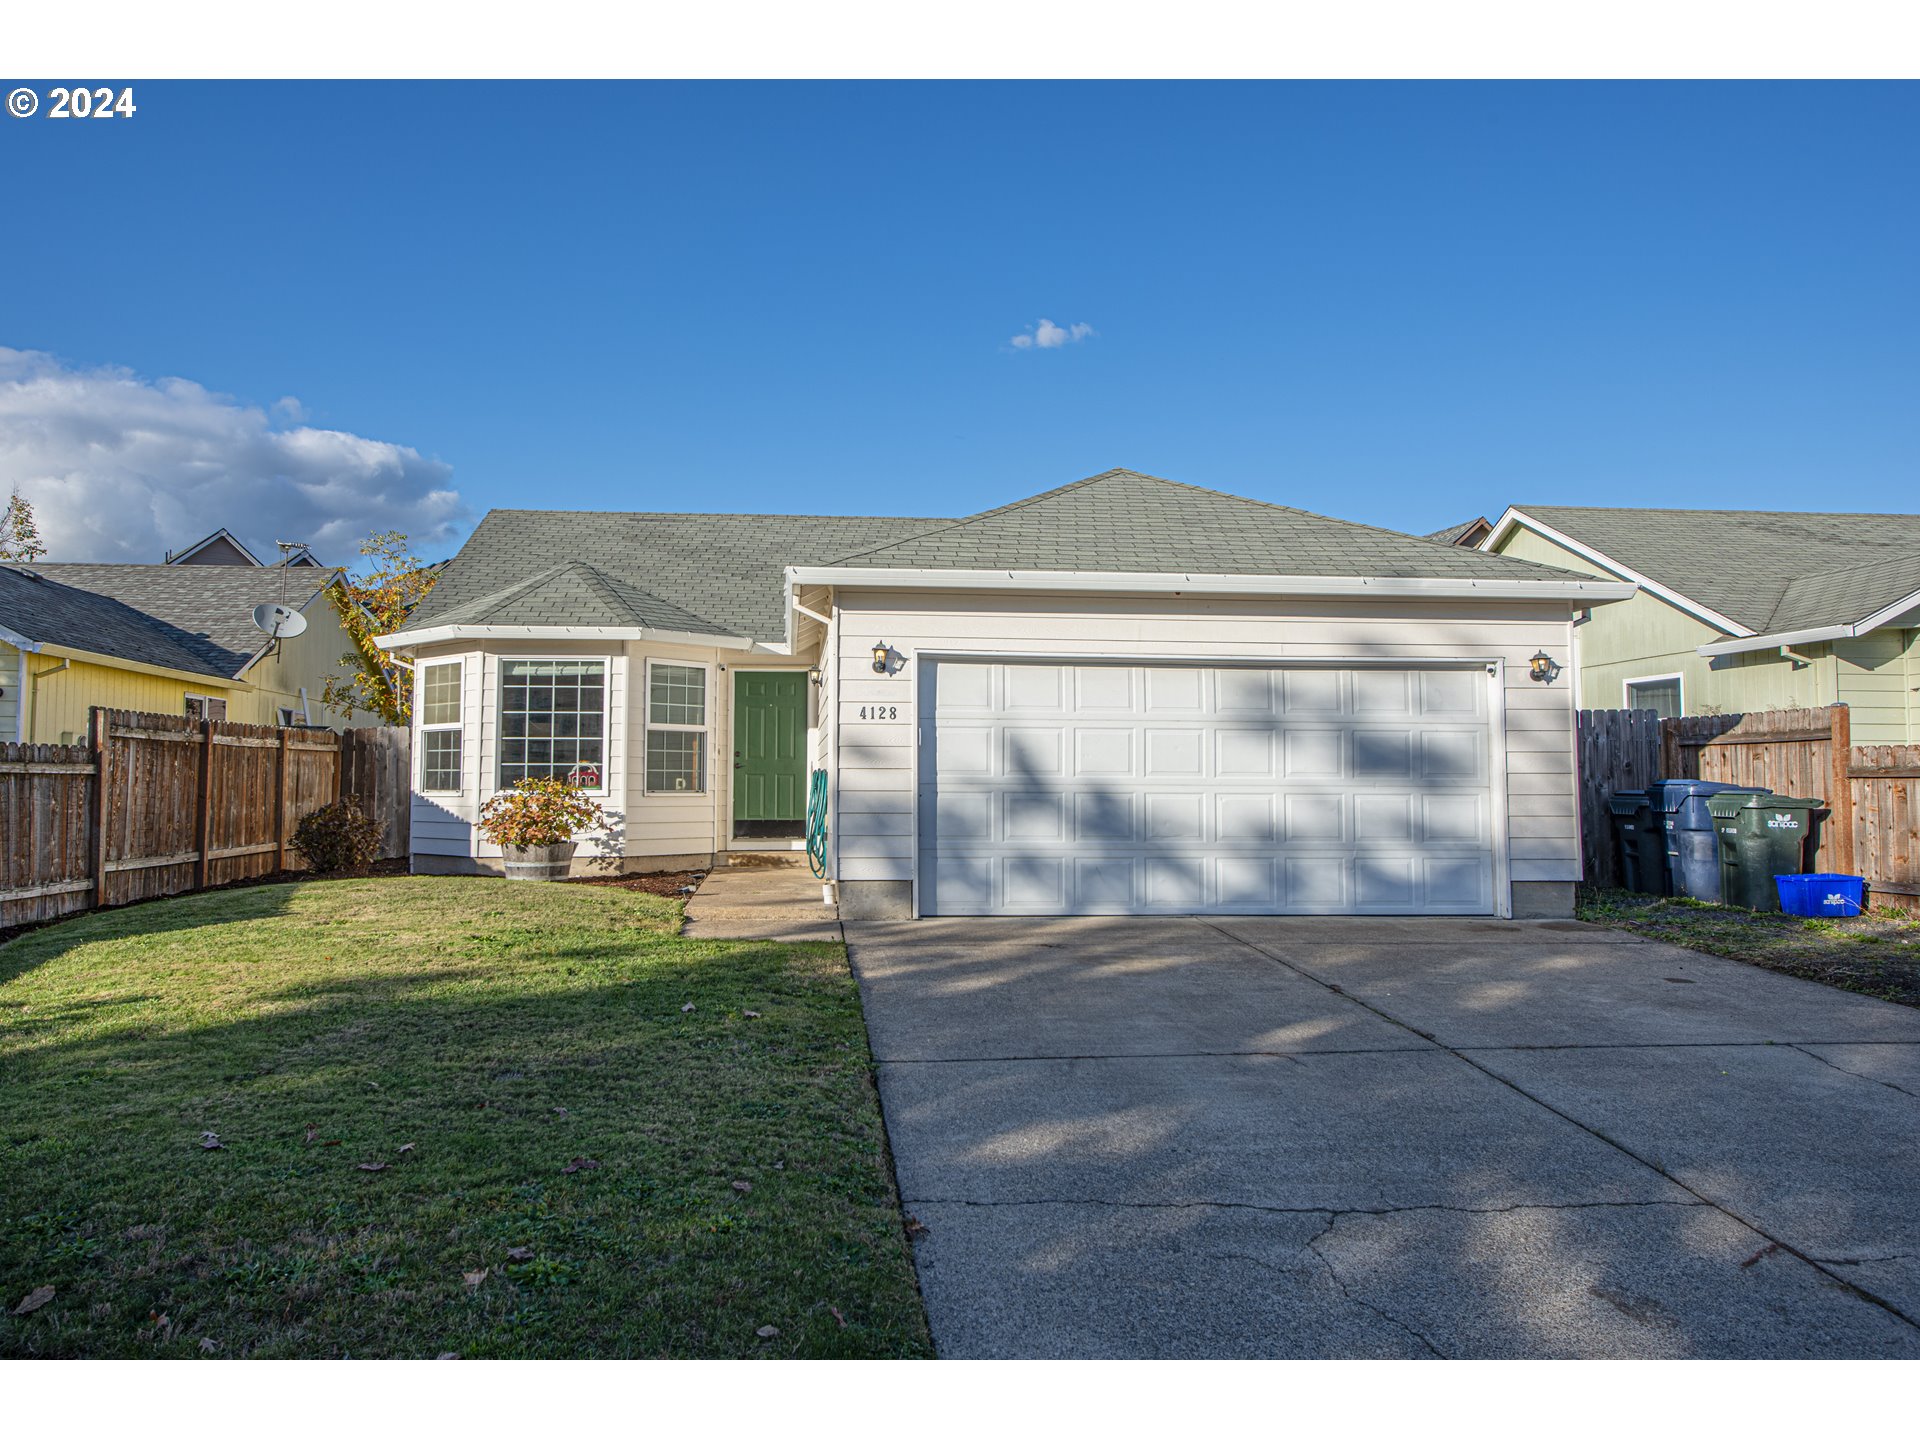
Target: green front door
(769,745)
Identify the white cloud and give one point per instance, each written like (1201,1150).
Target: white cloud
(1049,336)
(123,468)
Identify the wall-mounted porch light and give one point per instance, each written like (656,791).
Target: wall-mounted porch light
(882,653)
(1542,667)
(813,675)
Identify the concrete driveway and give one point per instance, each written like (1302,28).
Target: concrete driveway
(1262,1137)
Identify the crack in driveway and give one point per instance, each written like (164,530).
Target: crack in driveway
(1466,1059)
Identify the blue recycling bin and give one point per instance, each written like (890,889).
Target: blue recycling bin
(1693,850)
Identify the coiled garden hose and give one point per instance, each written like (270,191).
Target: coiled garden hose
(817,824)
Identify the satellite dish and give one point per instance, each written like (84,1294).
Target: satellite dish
(279,621)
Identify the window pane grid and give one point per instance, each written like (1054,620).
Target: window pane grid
(552,721)
(677,695)
(440,760)
(440,695)
(676,760)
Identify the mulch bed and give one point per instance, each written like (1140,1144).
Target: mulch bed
(672,884)
(1875,954)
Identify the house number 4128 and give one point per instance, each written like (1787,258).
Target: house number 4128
(879,712)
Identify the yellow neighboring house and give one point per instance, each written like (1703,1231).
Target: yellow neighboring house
(173,639)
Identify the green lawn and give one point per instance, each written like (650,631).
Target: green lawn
(1875,954)
(475,1038)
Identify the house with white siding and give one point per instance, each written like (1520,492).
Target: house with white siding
(1123,696)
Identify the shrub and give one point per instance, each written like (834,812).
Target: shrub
(339,839)
(538,812)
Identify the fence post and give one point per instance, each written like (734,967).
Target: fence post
(99,733)
(205,815)
(1840,797)
(280,804)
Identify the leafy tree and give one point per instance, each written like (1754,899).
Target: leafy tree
(370,605)
(19,535)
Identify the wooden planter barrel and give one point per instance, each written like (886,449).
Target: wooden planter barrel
(538,862)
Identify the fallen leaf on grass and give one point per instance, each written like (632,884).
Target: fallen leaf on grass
(559,1109)
(448,1355)
(313,1134)
(579,1162)
(473,1278)
(208,1345)
(686,1007)
(210,1141)
(405,1148)
(520,1252)
(834,1310)
(751,1014)
(36,1297)
(373,1165)
(742,1186)
(779,1164)
(328,1144)
(767,1332)
(914,1228)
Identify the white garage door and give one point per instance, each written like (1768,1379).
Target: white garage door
(1117,789)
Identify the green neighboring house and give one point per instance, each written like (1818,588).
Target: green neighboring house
(1740,610)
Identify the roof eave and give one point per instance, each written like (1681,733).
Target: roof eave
(404,640)
(1514,516)
(1813,635)
(1580,592)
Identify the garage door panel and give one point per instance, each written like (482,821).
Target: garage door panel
(1123,789)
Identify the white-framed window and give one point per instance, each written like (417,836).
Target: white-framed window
(553,722)
(1661,693)
(677,708)
(205,707)
(441,740)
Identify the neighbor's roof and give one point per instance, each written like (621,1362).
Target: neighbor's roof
(1772,571)
(1454,534)
(197,618)
(724,574)
(703,574)
(1122,521)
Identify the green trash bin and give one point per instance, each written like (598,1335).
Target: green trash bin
(1760,836)
(1643,847)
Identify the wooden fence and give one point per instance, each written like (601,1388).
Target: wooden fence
(1872,824)
(1619,750)
(161,804)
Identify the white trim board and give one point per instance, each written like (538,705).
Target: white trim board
(1121,582)
(434,634)
(1514,516)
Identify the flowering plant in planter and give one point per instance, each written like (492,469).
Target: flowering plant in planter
(537,813)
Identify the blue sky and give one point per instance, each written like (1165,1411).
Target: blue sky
(1403,304)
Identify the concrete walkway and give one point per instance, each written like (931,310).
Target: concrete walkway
(1260,1137)
(761,902)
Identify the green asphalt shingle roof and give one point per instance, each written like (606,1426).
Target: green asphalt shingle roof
(723,574)
(1770,570)
(1125,521)
(1453,533)
(197,618)
(706,574)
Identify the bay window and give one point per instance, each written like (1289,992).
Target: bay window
(553,721)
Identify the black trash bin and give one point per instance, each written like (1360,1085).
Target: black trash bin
(1692,853)
(1642,844)
(1760,836)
